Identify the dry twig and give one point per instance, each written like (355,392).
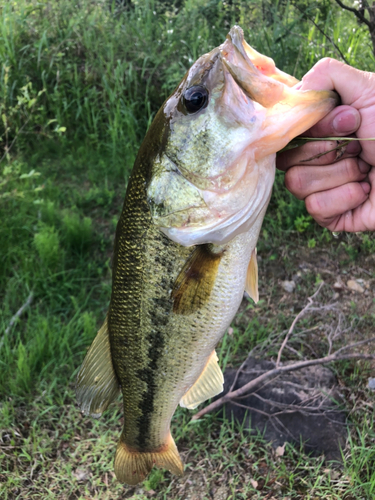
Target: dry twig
(16,316)
(265,377)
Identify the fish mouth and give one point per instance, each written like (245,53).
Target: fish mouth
(276,92)
(257,86)
(257,74)
(261,62)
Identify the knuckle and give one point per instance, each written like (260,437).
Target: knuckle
(327,158)
(318,153)
(313,206)
(350,193)
(294,181)
(326,62)
(349,170)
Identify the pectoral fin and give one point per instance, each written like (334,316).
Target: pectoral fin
(251,285)
(209,384)
(194,284)
(97,384)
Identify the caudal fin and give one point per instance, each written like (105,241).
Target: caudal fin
(132,466)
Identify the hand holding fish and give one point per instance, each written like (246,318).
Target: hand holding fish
(339,193)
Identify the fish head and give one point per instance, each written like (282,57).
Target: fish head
(212,177)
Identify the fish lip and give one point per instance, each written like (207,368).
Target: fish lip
(260,86)
(257,86)
(236,36)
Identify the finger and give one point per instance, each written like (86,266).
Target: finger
(327,207)
(361,218)
(303,181)
(341,121)
(329,74)
(313,150)
(356,89)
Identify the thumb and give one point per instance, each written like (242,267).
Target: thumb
(329,74)
(341,121)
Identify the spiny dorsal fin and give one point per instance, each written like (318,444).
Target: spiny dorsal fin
(97,384)
(209,384)
(251,285)
(133,466)
(194,284)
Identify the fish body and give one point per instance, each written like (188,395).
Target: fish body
(185,246)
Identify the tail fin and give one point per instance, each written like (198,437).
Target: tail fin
(132,466)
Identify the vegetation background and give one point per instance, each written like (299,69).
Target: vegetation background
(79,84)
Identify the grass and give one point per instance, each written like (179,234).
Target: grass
(79,85)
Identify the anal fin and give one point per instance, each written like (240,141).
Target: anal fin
(251,285)
(209,384)
(97,384)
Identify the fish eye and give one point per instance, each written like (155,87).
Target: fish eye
(195,98)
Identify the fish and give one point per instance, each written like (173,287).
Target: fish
(185,244)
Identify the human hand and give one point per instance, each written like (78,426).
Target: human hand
(340,195)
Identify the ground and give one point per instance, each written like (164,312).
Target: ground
(55,452)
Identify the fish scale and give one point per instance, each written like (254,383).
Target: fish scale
(185,245)
(155,337)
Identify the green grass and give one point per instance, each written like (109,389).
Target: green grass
(79,85)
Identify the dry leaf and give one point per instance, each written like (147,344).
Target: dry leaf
(81,474)
(355,286)
(254,483)
(280,450)
(288,286)
(339,285)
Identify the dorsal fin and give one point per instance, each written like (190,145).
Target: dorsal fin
(97,384)
(251,285)
(209,384)
(194,284)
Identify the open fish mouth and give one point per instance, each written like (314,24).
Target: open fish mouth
(257,74)
(253,59)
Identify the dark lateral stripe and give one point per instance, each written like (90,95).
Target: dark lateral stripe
(147,403)
(196,280)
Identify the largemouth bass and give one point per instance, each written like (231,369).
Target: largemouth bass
(185,246)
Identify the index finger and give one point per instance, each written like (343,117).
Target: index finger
(316,153)
(329,74)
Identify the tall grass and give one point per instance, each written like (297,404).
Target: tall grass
(79,84)
(102,75)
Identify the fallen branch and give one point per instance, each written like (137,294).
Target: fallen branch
(250,386)
(298,317)
(265,378)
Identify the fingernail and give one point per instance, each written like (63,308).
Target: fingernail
(366,187)
(363,166)
(353,148)
(347,121)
